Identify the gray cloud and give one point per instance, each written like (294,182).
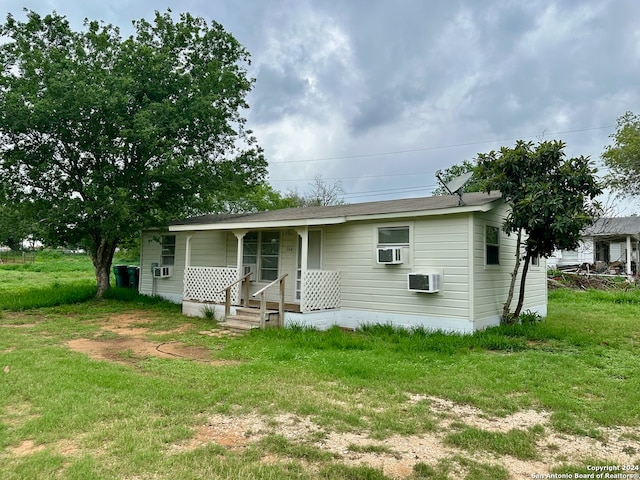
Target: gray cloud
(439,81)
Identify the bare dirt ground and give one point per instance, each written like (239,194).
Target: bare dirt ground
(123,337)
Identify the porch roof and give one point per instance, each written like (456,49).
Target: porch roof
(614,226)
(319,215)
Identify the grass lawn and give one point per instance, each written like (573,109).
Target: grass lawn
(559,396)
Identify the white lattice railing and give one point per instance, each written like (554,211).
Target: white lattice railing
(206,284)
(321,290)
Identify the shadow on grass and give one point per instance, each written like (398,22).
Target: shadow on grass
(70,293)
(48,296)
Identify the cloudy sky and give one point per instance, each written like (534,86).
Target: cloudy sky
(379,94)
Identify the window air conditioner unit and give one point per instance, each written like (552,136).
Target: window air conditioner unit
(423,282)
(162,272)
(389,255)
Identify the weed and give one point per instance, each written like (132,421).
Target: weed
(344,472)
(528,316)
(209,313)
(281,445)
(517,443)
(370,448)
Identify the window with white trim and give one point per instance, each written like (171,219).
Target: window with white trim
(492,245)
(393,235)
(168,245)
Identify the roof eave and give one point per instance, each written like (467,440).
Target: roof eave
(307,222)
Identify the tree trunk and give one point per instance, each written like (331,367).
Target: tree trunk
(525,269)
(507,317)
(102,257)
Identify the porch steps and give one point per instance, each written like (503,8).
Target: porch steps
(248,318)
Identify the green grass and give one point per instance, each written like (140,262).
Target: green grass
(516,443)
(123,420)
(52,279)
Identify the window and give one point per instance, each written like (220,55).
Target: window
(393,235)
(535,261)
(269,252)
(250,253)
(168,244)
(492,243)
(260,253)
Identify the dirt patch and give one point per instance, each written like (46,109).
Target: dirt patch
(27,447)
(397,455)
(122,339)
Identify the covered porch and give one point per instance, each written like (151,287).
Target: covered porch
(273,271)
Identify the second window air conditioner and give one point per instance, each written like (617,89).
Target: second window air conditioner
(162,272)
(423,282)
(389,255)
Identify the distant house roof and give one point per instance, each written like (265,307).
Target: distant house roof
(318,215)
(612,226)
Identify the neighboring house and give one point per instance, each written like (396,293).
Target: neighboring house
(349,265)
(610,241)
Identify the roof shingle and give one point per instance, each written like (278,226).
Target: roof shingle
(355,209)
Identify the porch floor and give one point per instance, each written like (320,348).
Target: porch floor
(288,307)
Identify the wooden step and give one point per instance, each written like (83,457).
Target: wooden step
(248,318)
(238,324)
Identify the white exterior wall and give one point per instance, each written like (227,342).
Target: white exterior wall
(437,244)
(583,254)
(208,249)
(150,252)
(492,281)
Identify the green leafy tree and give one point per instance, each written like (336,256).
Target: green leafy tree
(473,185)
(623,157)
(14,227)
(103,136)
(261,198)
(552,198)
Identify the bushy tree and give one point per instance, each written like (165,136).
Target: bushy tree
(102,136)
(552,199)
(623,157)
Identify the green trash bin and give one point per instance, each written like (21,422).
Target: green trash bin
(122,277)
(134,273)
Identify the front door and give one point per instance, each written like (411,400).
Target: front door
(314,257)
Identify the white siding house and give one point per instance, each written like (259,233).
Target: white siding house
(349,265)
(610,244)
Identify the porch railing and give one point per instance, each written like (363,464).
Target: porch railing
(321,290)
(244,281)
(207,284)
(263,301)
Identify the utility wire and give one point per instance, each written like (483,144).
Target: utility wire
(439,147)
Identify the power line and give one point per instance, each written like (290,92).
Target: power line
(391,190)
(439,147)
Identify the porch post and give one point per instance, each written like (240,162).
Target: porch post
(240,236)
(187,264)
(629,273)
(187,251)
(304,255)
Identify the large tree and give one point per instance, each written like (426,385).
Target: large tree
(623,157)
(552,199)
(101,136)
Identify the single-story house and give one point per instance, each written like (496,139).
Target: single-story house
(440,262)
(609,241)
